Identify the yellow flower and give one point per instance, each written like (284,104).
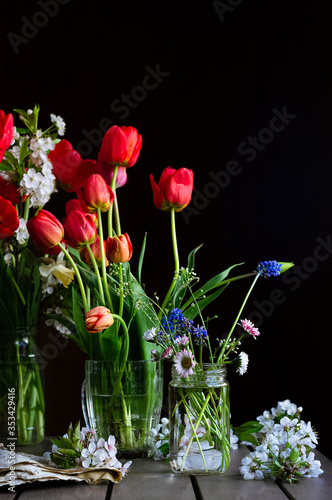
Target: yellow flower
(58,270)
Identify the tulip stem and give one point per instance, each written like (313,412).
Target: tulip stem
(117,215)
(95,267)
(176,263)
(125,329)
(110,210)
(78,276)
(103,264)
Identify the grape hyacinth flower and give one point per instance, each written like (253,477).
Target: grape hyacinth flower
(269,268)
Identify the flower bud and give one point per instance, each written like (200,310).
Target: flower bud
(45,229)
(119,248)
(80,230)
(120,146)
(174,189)
(96,194)
(97,319)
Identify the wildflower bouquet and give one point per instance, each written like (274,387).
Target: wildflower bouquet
(199,393)
(26,183)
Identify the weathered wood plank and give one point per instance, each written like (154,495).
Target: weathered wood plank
(313,488)
(55,490)
(148,480)
(232,485)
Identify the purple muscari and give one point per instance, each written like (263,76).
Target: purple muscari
(269,268)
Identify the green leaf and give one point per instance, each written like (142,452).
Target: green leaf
(23,151)
(6,165)
(191,257)
(214,282)
(295,454)
(140,261)
(193,311)
(285,266)
(64,443)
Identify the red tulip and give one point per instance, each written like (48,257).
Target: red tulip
(97,319)
(68,167)
(120,146)
(96,194)
(174,189)
(9,191)
(76,205)
(80,229)
(45,229)
(106,171)
(9,220)
(119,248)
(6,132)
(95,248)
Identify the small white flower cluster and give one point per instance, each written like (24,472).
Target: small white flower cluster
(286,447)
(56,324)
(59,123)
(92,454)
(38,184)
(160,437)
(21,233)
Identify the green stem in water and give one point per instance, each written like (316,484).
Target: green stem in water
(176,263)
(78,276)
(125,329)
(219,360)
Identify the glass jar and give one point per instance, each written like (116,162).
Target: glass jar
(124,400)
(199,421)
(22,405)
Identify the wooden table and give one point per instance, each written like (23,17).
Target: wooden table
(153,480)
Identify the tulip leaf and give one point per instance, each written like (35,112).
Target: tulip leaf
(140,261)
(23,151)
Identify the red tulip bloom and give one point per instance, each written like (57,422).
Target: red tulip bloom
(174,189)
(45,229)
(106,171)
(98,319)
(9,191)
(96,194)
(9,220)
(68,167)
(6,132)
(119,248)
(121,146)
(77,205)
(80,230)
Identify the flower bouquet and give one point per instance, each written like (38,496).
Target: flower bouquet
(104,308)
(26,182)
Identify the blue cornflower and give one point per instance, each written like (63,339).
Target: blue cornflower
(269,268)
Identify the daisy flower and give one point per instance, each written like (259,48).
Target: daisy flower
(249,327)
(184,363)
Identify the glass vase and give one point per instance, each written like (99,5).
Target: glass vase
(22,406)
(123,400)
(199,421)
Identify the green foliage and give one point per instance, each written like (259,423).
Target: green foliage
(247,431)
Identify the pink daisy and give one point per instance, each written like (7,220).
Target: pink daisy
(249,327)
(167,354)
(184,363)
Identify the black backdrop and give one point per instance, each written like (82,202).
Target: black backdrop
(240,92)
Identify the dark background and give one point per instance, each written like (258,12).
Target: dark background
(224,74)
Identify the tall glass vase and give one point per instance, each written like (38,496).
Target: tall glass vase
(123,400)
(22,406)
(199,421)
